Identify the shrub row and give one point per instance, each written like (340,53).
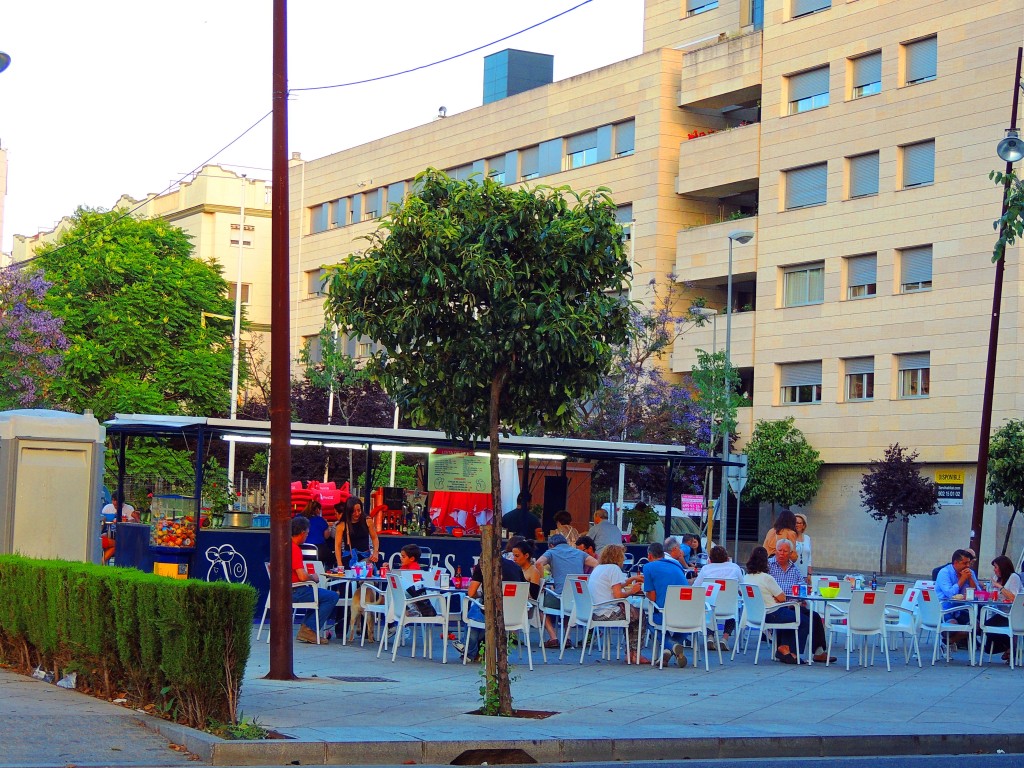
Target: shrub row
(179,644)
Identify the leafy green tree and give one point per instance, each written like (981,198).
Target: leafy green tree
(1006,470)
(32,343)
(894,489)
(132,300)
(782,467)
(496,309)
(1011,224)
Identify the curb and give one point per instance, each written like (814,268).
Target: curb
(222,752)
(197,742)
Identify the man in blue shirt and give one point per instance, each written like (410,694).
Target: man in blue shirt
(660,573)
(952,581)
(788,575)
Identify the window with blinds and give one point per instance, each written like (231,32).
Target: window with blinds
(916,269)
(693,7)
(625,138)
(806,186)
(804,7)
(804,285)
(801,383)
(580,150)
(860,378)
(861,278)
(915,374)
(624,217)
(496,168)
(529,163)
(808,90)
(318,218)
(866,75)
(339,212)
(315,282)
(919,164)
(864,175)
(920,61)
(396,193)
(245,292)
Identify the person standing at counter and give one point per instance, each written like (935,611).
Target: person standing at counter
(522,521)
(355,535)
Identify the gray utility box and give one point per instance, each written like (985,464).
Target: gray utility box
(51,469)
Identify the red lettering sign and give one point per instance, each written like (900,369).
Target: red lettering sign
(417,577)
(927,596)
(510,590)
(750,591)
(685,593)
(869,598)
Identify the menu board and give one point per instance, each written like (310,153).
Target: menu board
(459,472)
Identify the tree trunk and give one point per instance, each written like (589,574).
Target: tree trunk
(496,679)
(881,553)
(1009,529)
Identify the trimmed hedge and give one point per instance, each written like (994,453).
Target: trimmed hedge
(179,644)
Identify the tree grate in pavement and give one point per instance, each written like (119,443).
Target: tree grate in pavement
(345,679)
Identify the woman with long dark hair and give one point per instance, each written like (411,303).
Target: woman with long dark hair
(783,528)
(1006,581)
(355,536)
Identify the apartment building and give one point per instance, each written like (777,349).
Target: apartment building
(209,208)
(853,138)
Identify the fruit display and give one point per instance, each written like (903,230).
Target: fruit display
(174,532)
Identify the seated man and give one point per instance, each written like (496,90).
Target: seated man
(586,544)
(327,599)
(660,573)
(788,575)
(950,585)
(680,552)
(564,561)
(604,532)
(509,572)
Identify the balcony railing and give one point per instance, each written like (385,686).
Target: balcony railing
(722,73)
(702,253)
(720,164)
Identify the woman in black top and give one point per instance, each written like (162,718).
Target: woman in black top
(355,536)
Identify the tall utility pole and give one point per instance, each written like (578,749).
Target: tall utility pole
(977,515)
(281,666)
(236,339)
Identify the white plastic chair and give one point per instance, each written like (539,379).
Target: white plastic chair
(515,611)
(564,614)
(903,620)
(374,602)
(727,603)
(686,610)
(866,618)
(755,612)
(399,602)
(584,615)
(1015,627)
(933,619)
(296,605)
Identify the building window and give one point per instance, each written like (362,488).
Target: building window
(624,218)
(318,218)
(806,186)
(808,90)
(529,163)
(801,383)
(915,374)
(804,285)
(396,193)
(860,378)
(863,175)
(372,204)
(312,345)
(462,172)
(867,75)
(805,7)
(861,276)
(625,136)
(496,168)
(693,7)
(580,150)
(919,164)
(245,292)
(339,212)
(364,349)
(920,61)
(916,269)
(315,282)
(355,212)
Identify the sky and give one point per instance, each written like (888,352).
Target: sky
(126,97)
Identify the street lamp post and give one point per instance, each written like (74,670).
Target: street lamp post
(707,312)
(1009,149)
(741,236)
(236,340)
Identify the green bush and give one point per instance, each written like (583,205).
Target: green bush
(179,644)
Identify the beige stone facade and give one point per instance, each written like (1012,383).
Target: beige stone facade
(855,141)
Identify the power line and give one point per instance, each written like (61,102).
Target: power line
(441,61)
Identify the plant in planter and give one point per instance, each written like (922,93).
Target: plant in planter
(643,518)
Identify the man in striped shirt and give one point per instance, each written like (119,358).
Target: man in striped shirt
(788,575)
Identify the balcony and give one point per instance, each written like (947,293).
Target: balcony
(722,73)
(720,164)
(684,355)
(702,253)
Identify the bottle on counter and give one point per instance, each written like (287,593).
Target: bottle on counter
(874,581)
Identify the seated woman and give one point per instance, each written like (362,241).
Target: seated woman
(608,582)
(1007,582)
(355,535)
(522,555)
(757,574)
(720,567)
(563,525)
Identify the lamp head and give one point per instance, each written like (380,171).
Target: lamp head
(5,61)
(1011,149)
(741,236)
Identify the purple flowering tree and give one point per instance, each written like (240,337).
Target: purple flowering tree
(31,341)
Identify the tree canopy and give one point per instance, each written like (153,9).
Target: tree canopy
(494,307)
(1006,470)
(782,467)
(893,488)
(132,299)
(32,343)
